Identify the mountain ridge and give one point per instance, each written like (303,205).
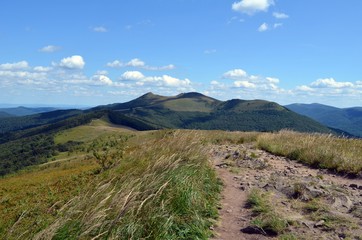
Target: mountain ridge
(196,111)
(346,119)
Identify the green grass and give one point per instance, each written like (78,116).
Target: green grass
(265,216)
(318,150)
(162,187)
(30,200)
(189,105)
(86,133)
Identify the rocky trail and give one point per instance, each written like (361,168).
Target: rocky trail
(315,203)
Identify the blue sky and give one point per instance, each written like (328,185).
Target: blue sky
(99,52)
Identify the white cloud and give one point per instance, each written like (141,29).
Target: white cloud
(279,15)
(136,63)
(248,83)
(175,82)
(276,25)
(252,6)
(272,80)
(244,84)
(235,74)
(73,62)
(115,64)
(42,69)
(14,66)
(100,29)
(132,75)
(49,49)
(330,83)
(16,75)
(305,88)
(167,67)
(102,72)
(102,80)
(263,27)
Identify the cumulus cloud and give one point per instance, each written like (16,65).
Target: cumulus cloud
(272,80)
(279,15)
(330,83)
(49,49)
(14,66)
(244,84)
(245,81)
(235,74)
(263,27)
(102,80)
(159,81)
(138,63)
(167,67)
(42,69)
(305,88)
(175,82)
(16,75)
(115,64)
(132,75)
(100,29)
(250,7)
(73,62)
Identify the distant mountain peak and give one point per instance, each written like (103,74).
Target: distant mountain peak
(190,95)
(148,95)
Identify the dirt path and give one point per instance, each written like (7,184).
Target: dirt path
(316,204)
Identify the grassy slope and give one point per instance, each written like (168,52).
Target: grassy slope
(161,168)
(161,186)
(322,151)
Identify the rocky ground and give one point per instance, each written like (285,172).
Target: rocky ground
(315,203)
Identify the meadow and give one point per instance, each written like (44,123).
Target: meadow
(123,184)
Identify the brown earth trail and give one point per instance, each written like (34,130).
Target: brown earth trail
(316,204)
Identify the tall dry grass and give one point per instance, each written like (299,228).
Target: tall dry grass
(163,189)
(319,150)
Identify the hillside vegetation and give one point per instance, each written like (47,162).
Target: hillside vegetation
(346,119)
(196,111)
(29,140)
(118,185)
(318,150)
(122,184)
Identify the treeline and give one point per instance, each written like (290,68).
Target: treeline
(121,119)
(26,122)
(52,127)
(34,146)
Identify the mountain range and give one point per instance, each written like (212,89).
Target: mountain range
(346,119)
(29,140)
(23,111)
(196,111)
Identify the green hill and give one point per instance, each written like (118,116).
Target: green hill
(196,111)
(24,122)
(346,119)
(29,140)
(5,114)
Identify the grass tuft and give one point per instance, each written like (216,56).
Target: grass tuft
(318,150)
(266,218)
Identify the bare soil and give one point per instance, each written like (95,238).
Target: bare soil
(316,203)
